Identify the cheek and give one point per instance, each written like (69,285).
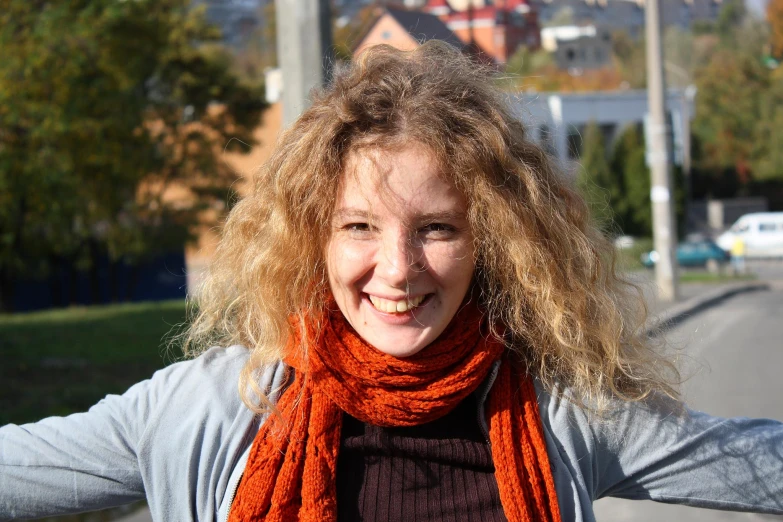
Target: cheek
(452,265)
(347,262)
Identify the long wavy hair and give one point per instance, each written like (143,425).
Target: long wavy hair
(543,271)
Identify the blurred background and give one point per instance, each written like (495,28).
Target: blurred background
(129,128)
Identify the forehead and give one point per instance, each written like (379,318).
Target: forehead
(408,176)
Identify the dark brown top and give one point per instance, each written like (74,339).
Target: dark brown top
(439,471)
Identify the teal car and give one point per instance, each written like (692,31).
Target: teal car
(699,253)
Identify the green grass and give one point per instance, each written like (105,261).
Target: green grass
(63,361)
(707,277)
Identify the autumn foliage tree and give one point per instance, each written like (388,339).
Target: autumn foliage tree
(728,110)
(775,19)
(737,121)
(107,109)
(536,70)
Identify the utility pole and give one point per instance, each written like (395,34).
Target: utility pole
(658,157)
(304,51)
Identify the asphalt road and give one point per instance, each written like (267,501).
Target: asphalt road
(733,353)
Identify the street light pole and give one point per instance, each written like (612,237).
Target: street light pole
(664,224)
(304,51)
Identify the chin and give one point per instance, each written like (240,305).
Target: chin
(399,346)
(400,352)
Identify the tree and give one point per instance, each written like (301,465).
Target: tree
(107,109)
(595,180)
(259,52)
(732,14)
(775,19)
(767,153)
(629,166)
(738,121)
(629,59)
(728,110)
(347,35)
(526,62)
(536,70)
(680,58)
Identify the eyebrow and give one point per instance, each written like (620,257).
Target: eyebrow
(428,217)
(446,215)
(351,213)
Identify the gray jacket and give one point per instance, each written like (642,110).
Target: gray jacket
(182,438)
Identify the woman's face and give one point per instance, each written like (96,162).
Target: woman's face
(400,257)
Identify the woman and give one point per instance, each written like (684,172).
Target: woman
(435,333)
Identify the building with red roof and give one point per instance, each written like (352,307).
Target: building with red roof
(496,27)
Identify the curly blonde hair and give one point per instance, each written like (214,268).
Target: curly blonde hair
(542,270)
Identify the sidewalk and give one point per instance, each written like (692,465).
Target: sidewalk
(693,297)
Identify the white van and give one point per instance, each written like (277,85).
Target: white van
(762,233)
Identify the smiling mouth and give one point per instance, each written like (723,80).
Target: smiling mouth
(397,307)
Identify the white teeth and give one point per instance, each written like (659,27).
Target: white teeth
(392,307)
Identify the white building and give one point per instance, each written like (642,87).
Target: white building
(558,120)
(578,47)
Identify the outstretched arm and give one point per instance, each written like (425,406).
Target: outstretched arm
(82,462)
(691,458)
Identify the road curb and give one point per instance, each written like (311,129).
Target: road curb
(677,313)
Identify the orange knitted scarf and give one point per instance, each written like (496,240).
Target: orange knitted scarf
(291,471)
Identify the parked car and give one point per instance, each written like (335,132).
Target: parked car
(693,253)
(762,233)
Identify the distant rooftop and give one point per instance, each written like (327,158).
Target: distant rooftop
(424,26)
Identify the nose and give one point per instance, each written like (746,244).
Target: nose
(399,260)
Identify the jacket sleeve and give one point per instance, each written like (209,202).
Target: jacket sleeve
(82,462)
(688,457)
(175,435)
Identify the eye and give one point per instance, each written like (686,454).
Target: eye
(438,227)
(438,231)
(357,227)
(358,230)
